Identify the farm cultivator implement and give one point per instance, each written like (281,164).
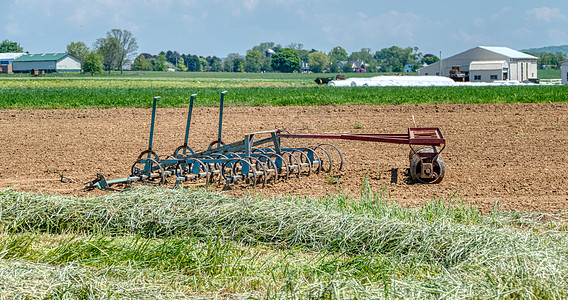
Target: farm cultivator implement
(255,160)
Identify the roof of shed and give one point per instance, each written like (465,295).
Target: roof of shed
(10,56)
(506,51)
(41,57)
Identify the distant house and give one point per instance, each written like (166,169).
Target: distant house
(47,62)
(6,60)
(356,65)
(564,71)
(305,67)
(486,64)
(408,68)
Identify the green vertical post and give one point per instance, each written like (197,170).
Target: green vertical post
(221,117)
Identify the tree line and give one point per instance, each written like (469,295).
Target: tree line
(119,47)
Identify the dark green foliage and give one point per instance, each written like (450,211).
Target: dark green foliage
(8,46)
(92,64)
(286,61)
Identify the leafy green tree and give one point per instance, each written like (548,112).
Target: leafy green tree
(266,64)
(10,47)
(161,63)
(92,64)
(238,64)
(303,54)
(253,61)
(347,68)
(550,60)
(172,57)
(181,65)
(211,59)
(216,66)
(318,61)
(429,59)
(140,63)
(263,47)
(394,59)
(117,47)
(203,65)
(337,54)
(78,50)
(296,46)
(286,61)
(192,63)
(107,48)
(364,55)
(229,64)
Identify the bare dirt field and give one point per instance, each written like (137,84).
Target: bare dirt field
(515,155)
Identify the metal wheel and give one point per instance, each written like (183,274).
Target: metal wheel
(338,156)
(323,163)
(416,169)
(149,170)
(183,151)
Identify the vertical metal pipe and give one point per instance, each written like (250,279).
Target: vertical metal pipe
(188,120)
(153,121)
(221,116)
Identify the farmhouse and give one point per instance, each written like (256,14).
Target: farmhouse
(564,71)
(47,62)
(6,60)
(485,64)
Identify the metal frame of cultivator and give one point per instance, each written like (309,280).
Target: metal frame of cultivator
(253,160)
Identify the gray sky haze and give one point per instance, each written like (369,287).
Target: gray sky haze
(219,27)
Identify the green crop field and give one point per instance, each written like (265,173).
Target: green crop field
(244,90)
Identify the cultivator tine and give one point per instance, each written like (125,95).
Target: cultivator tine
(184,148)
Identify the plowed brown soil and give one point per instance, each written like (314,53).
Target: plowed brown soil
(515,155)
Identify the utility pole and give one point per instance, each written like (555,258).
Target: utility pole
(440,63)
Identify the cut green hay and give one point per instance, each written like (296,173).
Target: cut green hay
(334,247)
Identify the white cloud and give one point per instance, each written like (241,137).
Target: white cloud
(502,12)
(479,22)
(558,36)
(392,23)
(250,5)
(13,29)
(546,14)
(366,29)
(470,39)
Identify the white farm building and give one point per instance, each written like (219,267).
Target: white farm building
(47,62)
(6,60)
(485,64)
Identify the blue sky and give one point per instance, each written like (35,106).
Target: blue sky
(219,27)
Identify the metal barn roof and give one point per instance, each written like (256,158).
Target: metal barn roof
(41,57)
(10,56)
(508,52)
